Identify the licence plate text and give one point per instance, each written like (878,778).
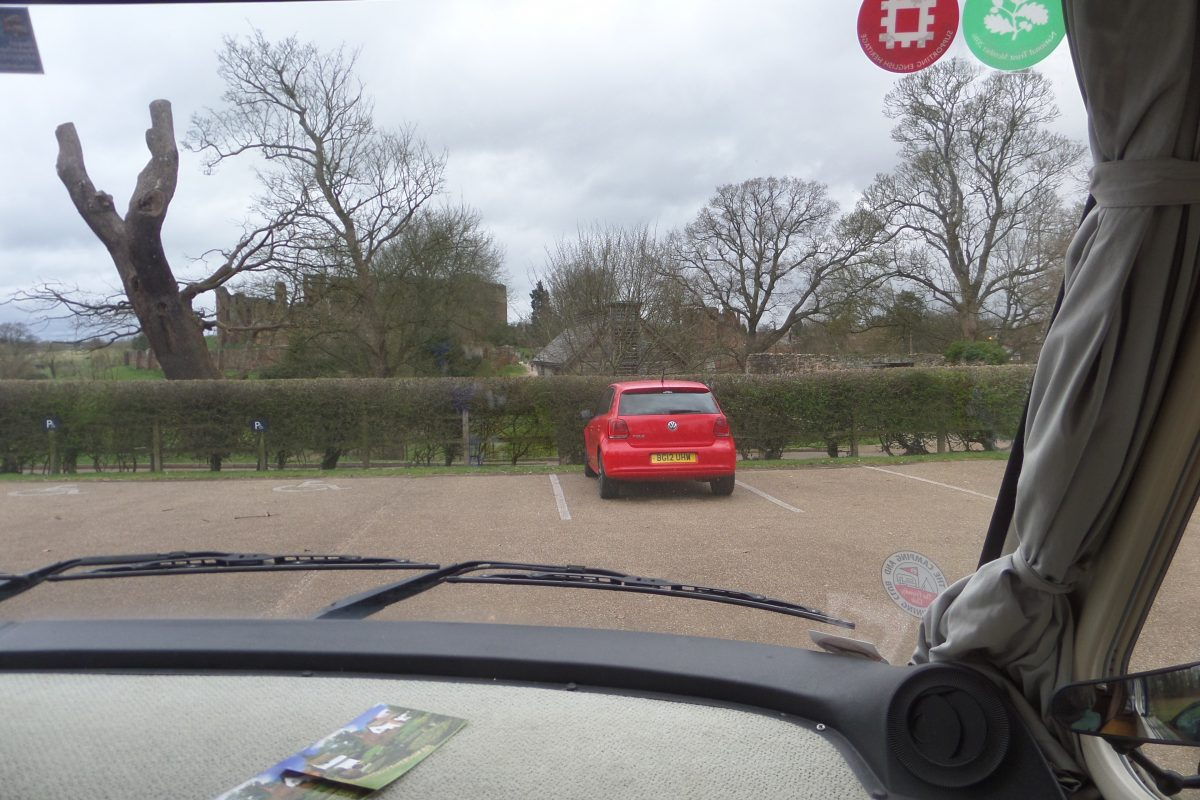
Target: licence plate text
(673,458)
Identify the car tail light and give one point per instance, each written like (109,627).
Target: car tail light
(721,427)
(618,428)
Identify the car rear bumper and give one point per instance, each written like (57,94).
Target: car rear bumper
(626,463)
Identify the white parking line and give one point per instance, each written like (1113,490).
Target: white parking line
(309,486)
(47,491)
(766,496)
(935,483)
(559,498)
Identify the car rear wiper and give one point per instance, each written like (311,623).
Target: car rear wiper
(190,562)
(365,604)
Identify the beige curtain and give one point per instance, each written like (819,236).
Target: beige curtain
(1131,278)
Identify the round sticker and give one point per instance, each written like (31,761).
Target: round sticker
(906,35)
(1013,34)
(912,581)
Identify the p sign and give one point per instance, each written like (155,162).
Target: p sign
(51,424)
(258,425)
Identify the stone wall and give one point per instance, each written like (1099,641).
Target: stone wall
(239,311)
(796,363)
(244,360)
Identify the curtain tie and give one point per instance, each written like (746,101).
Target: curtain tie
(1033,579)
(1148,182)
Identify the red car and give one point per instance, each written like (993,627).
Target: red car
(659,431)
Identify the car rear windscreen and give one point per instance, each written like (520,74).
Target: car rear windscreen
(666,402)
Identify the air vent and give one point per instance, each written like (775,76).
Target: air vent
(948,726)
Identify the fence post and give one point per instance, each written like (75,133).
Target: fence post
(466,436)
(55,467)
(156,456)
(366,443)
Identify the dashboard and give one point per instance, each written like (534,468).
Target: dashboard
(191,708)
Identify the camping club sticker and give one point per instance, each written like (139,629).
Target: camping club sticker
(1012,34)
(912,581)
(906,35)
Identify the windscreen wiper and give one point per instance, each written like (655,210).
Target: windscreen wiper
(190,562)
(365,604)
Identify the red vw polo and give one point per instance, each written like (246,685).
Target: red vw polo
(658,431)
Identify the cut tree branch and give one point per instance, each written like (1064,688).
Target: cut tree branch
(135,244)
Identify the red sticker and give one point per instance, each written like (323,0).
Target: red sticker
(906,35)
(913,581)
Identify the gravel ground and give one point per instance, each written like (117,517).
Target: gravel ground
(812,536)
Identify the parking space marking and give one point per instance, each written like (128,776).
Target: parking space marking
(47,491)
(769,498)
(309,486)
(935,483)
(559,498)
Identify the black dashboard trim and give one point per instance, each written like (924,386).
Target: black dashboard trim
(848,695)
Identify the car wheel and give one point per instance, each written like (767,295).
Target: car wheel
(608,487)
(722,485)
(587,468)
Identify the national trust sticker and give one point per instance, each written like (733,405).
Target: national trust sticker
(912,581)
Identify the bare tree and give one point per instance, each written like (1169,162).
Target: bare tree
(602,264)
(135,244)
(975,201)
(613,301)
(774,252)
(1031,265)
(350,189)
(152,301)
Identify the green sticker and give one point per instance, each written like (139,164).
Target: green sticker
(1012,34)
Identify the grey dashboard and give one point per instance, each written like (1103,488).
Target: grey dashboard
(195,736)
(563,712)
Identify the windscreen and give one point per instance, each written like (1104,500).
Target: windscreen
(634,404)
(394,255)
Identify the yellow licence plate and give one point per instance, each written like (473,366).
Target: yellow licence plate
(673,458)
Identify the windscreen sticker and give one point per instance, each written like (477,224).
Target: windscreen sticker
(1013,34)
(906,35)
(18,48)
(912,581)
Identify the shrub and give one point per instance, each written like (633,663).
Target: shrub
(112,422)
(965,351)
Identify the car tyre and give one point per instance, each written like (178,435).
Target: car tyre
(722,485)
(609,488)
(587,468)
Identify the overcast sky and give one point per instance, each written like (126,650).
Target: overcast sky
(554,113)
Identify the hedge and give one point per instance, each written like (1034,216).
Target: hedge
(417,420)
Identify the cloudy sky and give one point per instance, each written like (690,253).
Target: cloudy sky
(554,113)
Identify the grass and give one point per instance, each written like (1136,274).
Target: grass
(458,469)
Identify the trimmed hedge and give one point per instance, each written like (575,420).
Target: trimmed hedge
(416,420)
